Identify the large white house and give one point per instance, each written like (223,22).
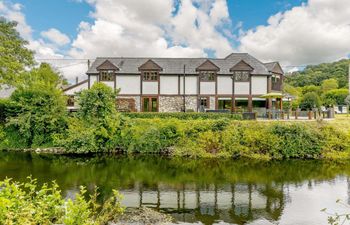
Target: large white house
(234,83)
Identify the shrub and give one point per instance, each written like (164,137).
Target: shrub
(297,140)
(96,126)
(28,203)
(41,114)
(184,116)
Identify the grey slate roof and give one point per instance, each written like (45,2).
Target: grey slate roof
(175,65)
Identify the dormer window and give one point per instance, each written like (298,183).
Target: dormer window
(107,75)
(207,75)
(241,76)
(150,75)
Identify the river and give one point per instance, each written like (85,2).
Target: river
(199,191)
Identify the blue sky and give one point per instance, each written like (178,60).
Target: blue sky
(293,32)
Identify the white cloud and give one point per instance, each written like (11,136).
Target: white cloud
(318,31)
(56,37)
(149,28)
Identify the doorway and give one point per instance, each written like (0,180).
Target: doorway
(150,104)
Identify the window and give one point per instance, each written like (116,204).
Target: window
(207,75)
(107,75)
(70,101)
(224,104)
(150,104)
(275,79)
(150,75)
(241,76)
(204,102)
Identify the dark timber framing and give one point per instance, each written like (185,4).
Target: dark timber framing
(195,67)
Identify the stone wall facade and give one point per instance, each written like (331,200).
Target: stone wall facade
(212,103)
(128,103)
(175,103)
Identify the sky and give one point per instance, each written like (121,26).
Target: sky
(294,32)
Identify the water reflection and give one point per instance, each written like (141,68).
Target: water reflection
(208,191)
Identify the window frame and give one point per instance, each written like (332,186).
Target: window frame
(70,101)
(104,73)
(241,73)
(150,75)
(207,76)
(207,100)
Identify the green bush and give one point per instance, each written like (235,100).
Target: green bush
(184,116)
(297,140)
(28,203)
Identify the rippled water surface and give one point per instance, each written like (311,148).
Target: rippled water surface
(202,191)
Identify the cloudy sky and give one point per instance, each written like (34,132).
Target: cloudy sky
(294,32)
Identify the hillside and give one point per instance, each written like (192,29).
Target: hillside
(314,75)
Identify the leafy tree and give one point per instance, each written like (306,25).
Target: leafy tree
(310,88)
(329,84)
(44,75)
(97,125)
(335,97)
(40,108)
(14,56)
(314,75)
(310,100)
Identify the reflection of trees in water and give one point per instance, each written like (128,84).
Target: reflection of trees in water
(237,203)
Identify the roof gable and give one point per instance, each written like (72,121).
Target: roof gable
(107,65)
(277,68)
(150,65)
(242,66)
(208,66)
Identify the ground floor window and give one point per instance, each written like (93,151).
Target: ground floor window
(224,104)
(70,101)
(259,103)
(204,102)
(150,104)
(241,105)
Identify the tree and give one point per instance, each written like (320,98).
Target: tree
(14,56)
(309,101)
(335,97)
(42,114)
(97,125)
(329,84)
(40,107)
(44,75)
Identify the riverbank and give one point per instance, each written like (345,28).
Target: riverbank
(207,138)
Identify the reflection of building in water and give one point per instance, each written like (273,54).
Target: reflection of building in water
(238,203)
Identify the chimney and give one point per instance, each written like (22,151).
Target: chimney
(88,62)
(76,80)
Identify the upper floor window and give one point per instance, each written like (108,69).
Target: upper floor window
(150,75)
(241,76)
(275,78)
(207,75)
(107,75)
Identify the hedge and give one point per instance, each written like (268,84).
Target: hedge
(183,116)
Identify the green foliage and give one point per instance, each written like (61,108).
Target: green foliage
(41,114)
(14,56)
(314,75)
(96,127)
(184,116)
(28,203)
(335,97)
(309,101)
(329,84)
(97,103)
(44,76)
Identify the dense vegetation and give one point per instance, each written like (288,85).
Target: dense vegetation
(28,203)
(325,84)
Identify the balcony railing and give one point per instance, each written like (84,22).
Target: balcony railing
(276,86)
